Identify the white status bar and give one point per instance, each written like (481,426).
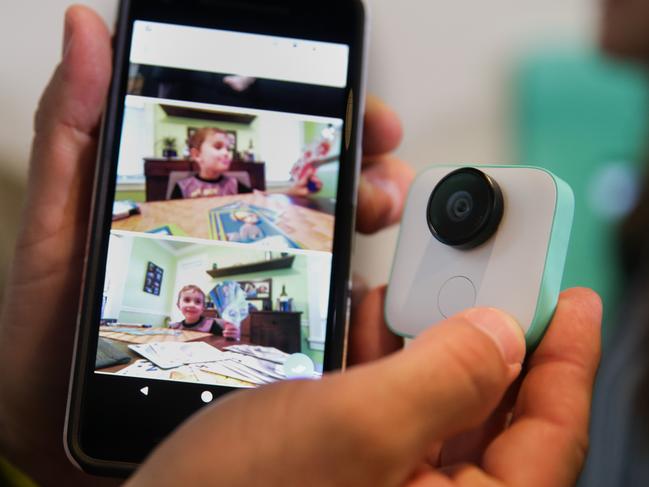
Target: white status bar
(254,55)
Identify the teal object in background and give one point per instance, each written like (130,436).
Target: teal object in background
(585,119)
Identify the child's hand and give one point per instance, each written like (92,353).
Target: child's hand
(230,330)
(305,186)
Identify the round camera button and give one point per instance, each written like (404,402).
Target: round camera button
(455,295)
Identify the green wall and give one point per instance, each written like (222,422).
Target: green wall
(312,131)
(295,279)
(327,173)
(155,310)
(166,126)
(138,196)
(151,309)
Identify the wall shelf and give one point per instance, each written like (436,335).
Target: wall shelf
(211,115)
(261,266)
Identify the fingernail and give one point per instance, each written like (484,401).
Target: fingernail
(390,188)
(503,330)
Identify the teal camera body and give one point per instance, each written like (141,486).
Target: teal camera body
(493,236)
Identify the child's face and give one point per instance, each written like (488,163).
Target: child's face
(191,304)
(214,156)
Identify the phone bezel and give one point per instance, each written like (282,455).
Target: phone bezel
(91,393)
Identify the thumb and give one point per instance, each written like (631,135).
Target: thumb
(447,381)
(66,122)
(63,153)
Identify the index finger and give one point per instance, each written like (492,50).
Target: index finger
(369,337)
(548,438)
(382,130)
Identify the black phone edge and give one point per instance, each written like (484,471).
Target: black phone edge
(340,305)
(98,231)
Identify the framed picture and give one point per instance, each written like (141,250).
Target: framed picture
(257,289)
(153,279)
(232,136)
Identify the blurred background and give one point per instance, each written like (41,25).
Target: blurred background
(505,81)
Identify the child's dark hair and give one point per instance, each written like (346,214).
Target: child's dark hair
(198,137)
(190,287)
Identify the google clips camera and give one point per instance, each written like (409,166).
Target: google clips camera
(492,236)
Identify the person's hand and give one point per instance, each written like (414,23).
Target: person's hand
(37,321)
(230,330)
(385,179)
(38,317)
(307,185)
(441,412)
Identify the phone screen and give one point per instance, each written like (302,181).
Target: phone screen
(219,261)
(227,221)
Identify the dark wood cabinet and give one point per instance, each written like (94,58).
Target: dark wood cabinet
(277,329)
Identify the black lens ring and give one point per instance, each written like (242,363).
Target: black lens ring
(493,215)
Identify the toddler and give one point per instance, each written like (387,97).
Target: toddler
(211,149)
(191,303)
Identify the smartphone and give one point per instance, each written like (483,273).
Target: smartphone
(222,217)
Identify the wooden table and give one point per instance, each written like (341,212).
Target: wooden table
(310,228)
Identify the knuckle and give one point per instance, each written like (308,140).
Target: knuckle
(574,443)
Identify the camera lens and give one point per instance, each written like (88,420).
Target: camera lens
(459,206)
(465,208)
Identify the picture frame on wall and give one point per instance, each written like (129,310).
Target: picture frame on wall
(257,289)
(153,279)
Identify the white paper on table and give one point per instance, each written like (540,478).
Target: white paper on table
(266,353)
(168,355)
(221,369)
(257,376)
(232,366)
(268,369)
(144,369)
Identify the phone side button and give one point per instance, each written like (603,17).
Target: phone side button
(349,119)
